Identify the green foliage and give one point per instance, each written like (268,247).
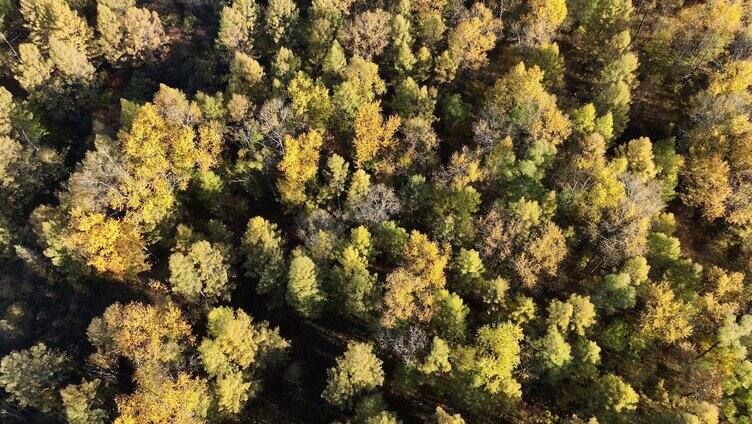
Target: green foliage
(200,273)
(450,320)
(234,350)
(358,370)
(353,282)
(303,292)
(263,246)
(83,403)
(509,202)
(519,106)
(612,396)
(553,351)
(32,377)
(496,356)
(615,293)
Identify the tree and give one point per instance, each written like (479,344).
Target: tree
(83,403)
(129,34)
(376,205)
(299,165)
(640,158)
(280,17)
(237,23)
(553,351)
(358,370)
(473,37)
(246,75)
(354,285)
(372,133)
(163,400)
(49,20)
(310,101)
(583,313)
(372,409)
(496,355)
(368,34)
(559,315)
(665,318)
(664,249)
(608,70)
(144,334)
(200,273)
(33,376)
(443,417)
(717,153)
(685,45)
(232,353)
(110,246)
(56,65)
(285,66)
(383,417)
(390,240)
(613,396)
(519,107)
(411,289)
(334,61)
(616,292)
(125,192)
(470,271)
(25,161)
(361,84)
(263,246)
(541,21)
(616,81)
(400,47)
(451,218)
(411,100)
(437,360)
(517,238)
(303,292)
(450,319)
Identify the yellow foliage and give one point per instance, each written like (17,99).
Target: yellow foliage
(299,165)
(144,334)
(424,258)
(411,289)
(210,146)
(182,153)
(109,245)
(372,134)
(49,20)
(666,318)
(159,399)
(707,185)
(543,20)
(533,112)
(735,77)
(400,301)
(473,37)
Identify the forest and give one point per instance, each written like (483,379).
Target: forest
(376,211)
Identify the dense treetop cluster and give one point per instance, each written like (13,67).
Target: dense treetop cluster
(374,212)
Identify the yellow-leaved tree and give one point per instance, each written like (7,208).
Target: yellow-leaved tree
(123,194)
(299,166)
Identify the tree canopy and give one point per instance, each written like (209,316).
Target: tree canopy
(407,211)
